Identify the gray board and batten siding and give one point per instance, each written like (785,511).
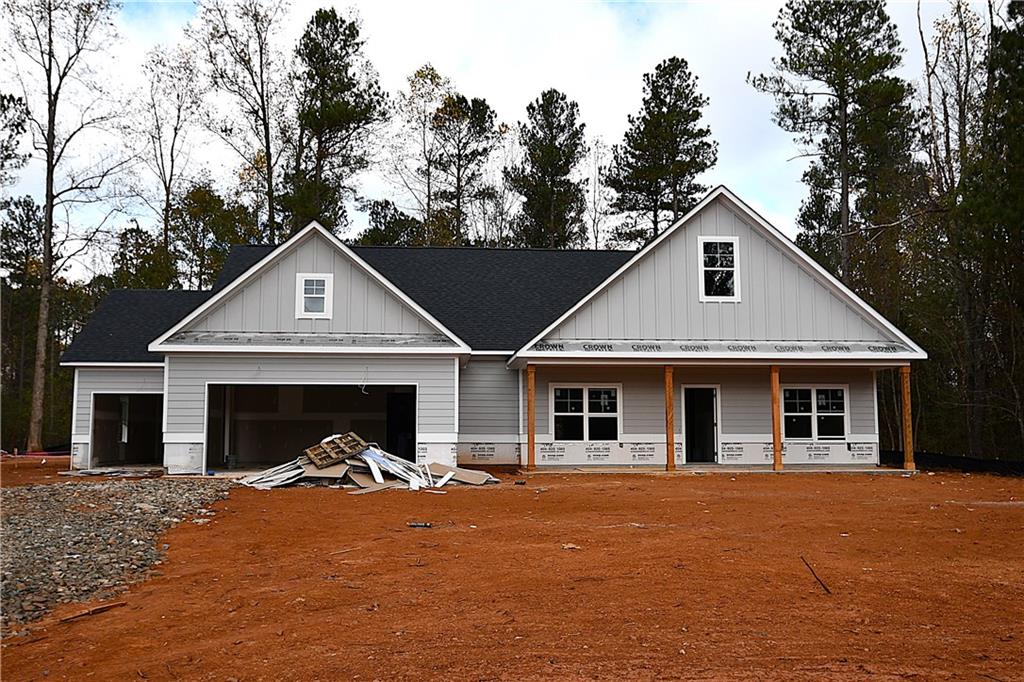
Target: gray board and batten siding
(266,303)
(780,298)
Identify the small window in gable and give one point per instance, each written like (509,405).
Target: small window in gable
(719,269)
(314,295)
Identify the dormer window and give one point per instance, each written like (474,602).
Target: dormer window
(314,295)
(719,269)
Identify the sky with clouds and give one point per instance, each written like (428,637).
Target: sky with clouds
(596,52)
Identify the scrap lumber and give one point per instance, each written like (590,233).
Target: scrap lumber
(370,469)
(334,449)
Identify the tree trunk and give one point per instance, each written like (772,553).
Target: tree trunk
(35,423)
(844,187)
(271,224)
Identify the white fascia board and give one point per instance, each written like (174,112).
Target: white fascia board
(112,364)
(319,350)
(157,345)
(785,241)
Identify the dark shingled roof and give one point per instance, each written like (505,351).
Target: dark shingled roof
(127,320)
(493,299)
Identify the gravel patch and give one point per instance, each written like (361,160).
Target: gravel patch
(71,542)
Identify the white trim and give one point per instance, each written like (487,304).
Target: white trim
(112,365)
(300,295)
(455,384)
(74,421)
(703,297)
(585,414)
(874,398)
(313,227)
(190,438)
(437,438)
(813,414)
(789,245)
(322,350)
(167,373)
(475,438)
(716,358)
(718,420)
(492,352)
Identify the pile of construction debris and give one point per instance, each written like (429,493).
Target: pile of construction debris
(347,460)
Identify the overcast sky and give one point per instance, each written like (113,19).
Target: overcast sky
(596,52)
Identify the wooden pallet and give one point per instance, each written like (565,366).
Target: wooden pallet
(335,450)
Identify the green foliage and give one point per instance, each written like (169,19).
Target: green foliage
(142,262)
(835,91)
(466,135)
(203,227)
(13,125)
(553,201)
(339,105)
(390,226)
(654,171)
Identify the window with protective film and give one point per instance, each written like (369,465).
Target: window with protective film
(814,413)
(585,413)
(313,295)
(719,269)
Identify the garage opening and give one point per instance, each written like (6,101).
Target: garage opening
(127,429)
(258,426)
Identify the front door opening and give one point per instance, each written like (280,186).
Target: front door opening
(700,424)
(126,429)
(255,426)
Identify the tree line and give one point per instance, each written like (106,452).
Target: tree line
(913,188)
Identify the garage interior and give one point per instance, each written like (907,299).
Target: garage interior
(127,429)
(258,426)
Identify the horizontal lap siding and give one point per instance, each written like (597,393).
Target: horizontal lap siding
(745,397)
(188,377)
(488,398)
(111,380)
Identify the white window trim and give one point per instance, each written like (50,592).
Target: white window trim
(300,279)
(814,413)
(704,298)
(586,411)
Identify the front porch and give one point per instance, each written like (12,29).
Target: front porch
(619,416)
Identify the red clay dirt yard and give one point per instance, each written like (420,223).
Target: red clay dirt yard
(571,577)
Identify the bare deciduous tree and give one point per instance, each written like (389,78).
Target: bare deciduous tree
(163,126)
(243,61)
(51,46)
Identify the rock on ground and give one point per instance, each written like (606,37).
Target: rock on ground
(72,542)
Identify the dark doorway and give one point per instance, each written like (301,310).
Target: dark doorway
(700,424)
(259,425)
(401,425)
(126,429)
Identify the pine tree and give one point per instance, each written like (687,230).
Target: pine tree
(466,134)
(339,106)
(654,170)
(552,141)
(832,85)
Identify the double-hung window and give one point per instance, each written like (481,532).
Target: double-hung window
(314,295)
(719,268)
(586,413)
(814,413)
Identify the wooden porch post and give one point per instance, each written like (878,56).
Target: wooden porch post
(776,421)
(908,423)
(670,421)
(531,417)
